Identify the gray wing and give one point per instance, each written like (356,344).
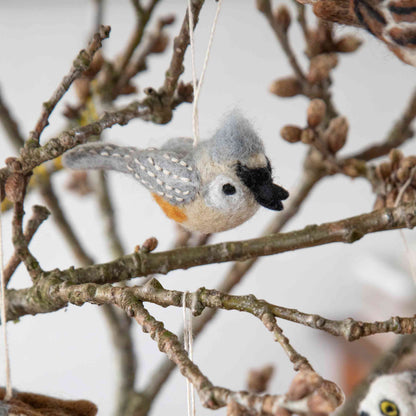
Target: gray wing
(167,173)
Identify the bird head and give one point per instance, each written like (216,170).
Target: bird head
(235,175)
(391,395)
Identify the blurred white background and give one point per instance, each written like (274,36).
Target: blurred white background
(69,353)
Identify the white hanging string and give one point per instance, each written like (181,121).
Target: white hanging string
(197,85)
(188,345)
(9,392)
(187,317)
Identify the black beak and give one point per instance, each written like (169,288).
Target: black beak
(260,183)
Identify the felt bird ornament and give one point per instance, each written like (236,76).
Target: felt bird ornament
(391,395)
(213,186)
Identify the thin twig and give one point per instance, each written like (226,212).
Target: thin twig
(180,45)
(281,35)
(40,214)
(80,64)
(20,244)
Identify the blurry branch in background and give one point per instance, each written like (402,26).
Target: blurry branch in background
(98,82)
(10,125)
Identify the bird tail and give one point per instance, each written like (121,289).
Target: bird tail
(98,156)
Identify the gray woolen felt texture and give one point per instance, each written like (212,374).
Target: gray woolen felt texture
(170,171)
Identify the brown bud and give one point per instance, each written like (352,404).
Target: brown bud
(160,44)
(282,17)
(185,91)
(149,245)
(303,384)
(403,174)
(307,136)
(13,164)
(395,156)
(336,133)
(286,87)
(291,133)
(321,66)
(347,44)
(262,5)
(326,398)
(168,20)
(15,187)
(258,380)
(316,112)
(383,170)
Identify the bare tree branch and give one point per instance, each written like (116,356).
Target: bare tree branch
(80,64)
(40,214)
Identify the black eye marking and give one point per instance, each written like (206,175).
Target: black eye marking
(228,189)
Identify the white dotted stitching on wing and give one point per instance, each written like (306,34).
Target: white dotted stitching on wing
(189,168)
(160,193)
(158,181)
(169,196)
(126,156)
(158,168)
(151,174)
(182,163)
(174,160)
(166,156)
(168,187)
(151,161)
(108,147)
(105,154)
(178,191)
(185,179)
(142,167)
(179,199)
(116,154)
(137,176)
(166,172)
(130,168)
(185,193)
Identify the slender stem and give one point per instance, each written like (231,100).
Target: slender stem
(80,64)
(40,214)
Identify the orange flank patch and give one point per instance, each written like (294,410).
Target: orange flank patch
(173,212)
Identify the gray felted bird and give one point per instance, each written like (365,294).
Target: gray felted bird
(391,395)
(214,186)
